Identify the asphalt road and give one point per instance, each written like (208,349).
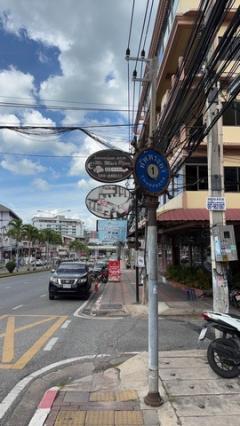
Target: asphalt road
(36,332)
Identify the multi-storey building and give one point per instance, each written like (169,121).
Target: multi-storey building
(183,220)
(7,244)
(64,225)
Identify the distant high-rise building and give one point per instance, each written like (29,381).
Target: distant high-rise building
(64,225)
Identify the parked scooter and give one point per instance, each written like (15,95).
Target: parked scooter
(234,297)
(223,353)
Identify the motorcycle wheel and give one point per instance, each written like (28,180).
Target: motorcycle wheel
(218,363)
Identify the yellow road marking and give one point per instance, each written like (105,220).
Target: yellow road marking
(29,354)
(33,324)
(8,344)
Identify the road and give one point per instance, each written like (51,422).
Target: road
(36,332)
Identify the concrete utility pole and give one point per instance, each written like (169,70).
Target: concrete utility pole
(216,218)
(153,397)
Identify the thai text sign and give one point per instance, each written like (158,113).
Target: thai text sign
(109,165)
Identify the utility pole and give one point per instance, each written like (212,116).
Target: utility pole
(216,189)
(148,167)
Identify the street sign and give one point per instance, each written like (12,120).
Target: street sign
(152,171)
(216,203)
(109,165)
(109,201)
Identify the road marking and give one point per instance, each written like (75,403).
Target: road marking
(23,383)
(43,295)
(26,327)
(50,344)
(7,287)
(16,307)
(66,324)
(8,344)
(8,347)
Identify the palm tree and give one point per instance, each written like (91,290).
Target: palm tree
(49,236)
(31,233)
(16,231)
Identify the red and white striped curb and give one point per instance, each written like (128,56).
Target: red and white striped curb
(44,407)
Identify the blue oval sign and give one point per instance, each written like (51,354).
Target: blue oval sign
(152,171)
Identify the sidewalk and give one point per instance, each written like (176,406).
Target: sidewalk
(193,395)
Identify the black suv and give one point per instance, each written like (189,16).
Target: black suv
(70,278)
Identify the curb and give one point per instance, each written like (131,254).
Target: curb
(44,407)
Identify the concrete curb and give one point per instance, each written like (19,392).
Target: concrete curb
(44,407)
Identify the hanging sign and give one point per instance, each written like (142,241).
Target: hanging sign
(109,201)
(152,171)
(109,165)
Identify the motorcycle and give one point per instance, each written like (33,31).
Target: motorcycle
(234,297)
(223,353)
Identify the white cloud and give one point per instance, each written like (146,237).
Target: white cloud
(15,86)
(41,184)
(22,167)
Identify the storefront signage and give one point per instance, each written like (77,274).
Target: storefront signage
(109,201)
(109,165)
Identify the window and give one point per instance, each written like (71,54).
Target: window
(231,117)
(232,179)
(196,177)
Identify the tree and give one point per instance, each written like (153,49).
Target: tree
(49,236)
(31,233)
(16,231)
(79,247)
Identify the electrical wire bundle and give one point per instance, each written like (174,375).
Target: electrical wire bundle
(202,73)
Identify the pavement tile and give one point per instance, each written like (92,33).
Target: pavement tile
(182,362)
(150,417)
(70,418)
(201,387)
(100,418)
(127,418)
(210,421)
(76,397)
(126,395)
(206,405)
(187,374)
(102,396)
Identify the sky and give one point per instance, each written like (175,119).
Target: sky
(60,60)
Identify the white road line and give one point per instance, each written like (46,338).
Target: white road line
(66,324)
(17,307)
(43,295)
(23,383)
(50,344)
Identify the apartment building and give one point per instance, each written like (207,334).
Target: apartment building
(64,225)
(183,219)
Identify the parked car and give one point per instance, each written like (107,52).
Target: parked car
(70,278)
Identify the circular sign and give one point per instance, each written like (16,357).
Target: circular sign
(109,201)
(109,165)
(152,171)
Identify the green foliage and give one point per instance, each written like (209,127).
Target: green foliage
(194,277)
(79,246)
(11,265)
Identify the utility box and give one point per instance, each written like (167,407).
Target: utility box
(224,243)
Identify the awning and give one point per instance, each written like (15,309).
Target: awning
(194,215)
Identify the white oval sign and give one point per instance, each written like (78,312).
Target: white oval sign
(109,201)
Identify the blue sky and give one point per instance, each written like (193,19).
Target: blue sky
(66,54)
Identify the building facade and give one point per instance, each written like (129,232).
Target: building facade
(183,220)
(7,244)
(59,223)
